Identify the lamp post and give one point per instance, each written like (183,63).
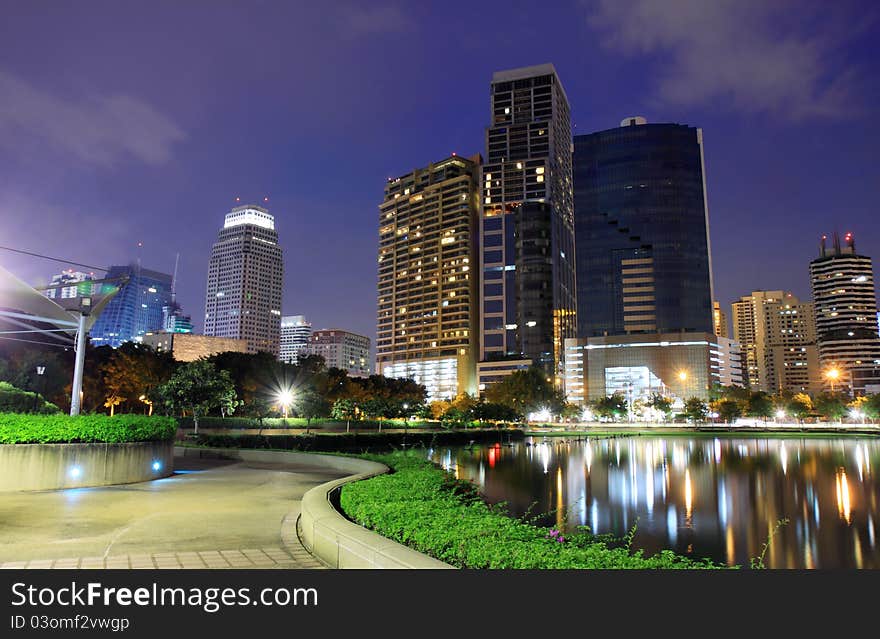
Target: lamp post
(285,398)
(833,374)
(40,370)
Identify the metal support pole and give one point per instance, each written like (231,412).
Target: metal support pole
(76,390)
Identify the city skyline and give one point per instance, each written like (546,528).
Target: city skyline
(132,152)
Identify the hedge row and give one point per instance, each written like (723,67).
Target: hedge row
(427,509)
(53,429)
(15,400)
(360,442)
(298,422)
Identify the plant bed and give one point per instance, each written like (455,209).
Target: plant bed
(17,428)
(425,508)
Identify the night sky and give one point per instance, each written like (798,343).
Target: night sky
(123,122)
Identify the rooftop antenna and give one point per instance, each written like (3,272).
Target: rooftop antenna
(174,280)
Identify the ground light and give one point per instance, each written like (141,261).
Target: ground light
(75,472)
(157,466)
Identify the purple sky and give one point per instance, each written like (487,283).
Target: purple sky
(123,122)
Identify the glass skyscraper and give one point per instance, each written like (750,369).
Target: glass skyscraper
(642,231)
(137,307)
(527,253)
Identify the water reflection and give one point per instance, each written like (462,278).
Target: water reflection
(718,497)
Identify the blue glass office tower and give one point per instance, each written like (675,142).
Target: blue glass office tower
(527,232)
(643,260)
(136,309)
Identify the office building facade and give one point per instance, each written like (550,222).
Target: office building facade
(719,320)
(188,347)
(243,299)
(778,336)
(527,252)
(69,284)
(642,231)
(136,309)
(427,302)
(342,349)
(295,335)
(846,312)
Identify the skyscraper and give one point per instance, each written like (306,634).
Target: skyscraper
(295,335)
(342,349)
(719,320)
(778,337)
(245,273)
(642,230)
(846,311)
(136,309)
(527,258)
(427,308)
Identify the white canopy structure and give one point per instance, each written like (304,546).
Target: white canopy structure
(25,310)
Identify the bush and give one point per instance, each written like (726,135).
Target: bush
(15,400)
(298,422)
(425,508)
(357,442)
(54,429)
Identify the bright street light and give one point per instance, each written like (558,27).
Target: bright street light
(833,374)
(285,398)
(683,376)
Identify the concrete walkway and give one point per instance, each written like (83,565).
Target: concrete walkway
(209,514)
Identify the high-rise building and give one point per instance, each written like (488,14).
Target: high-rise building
(846,311)
(136,309)
(642,231)
(342,349)
(295,335)
(427,310)
(730,365)
(527,257)
(174,320)
(69,284)
(719,320)
(778,337)
(245,273)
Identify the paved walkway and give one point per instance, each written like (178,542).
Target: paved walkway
(209,514)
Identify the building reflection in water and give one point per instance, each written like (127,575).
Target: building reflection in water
(707,497)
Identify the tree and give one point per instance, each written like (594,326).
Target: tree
(661,404)
(872,407)
(199,387)
(857,407)
(800,406)
(728,410)
(611,407)
(309,404)
(527,391)
(831,406)
(345,409)
(439,408)
(759,405)
(696,410)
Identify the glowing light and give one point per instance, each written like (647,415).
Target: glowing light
(843,500)
(688,497)
(683,376)
(157,466)
(75,472)
(285,398)
(780,414)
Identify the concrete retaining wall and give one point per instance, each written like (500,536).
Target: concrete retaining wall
(55,466)
(324,532)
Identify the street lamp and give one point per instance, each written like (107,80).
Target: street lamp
(40,370)
(833,374)
(285,398)
(147,401)
(780,414)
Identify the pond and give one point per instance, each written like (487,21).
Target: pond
(718,497)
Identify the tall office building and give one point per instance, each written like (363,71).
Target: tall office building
(642,231)
(527,259)
(245,273)
(342,349)
(846,311)
(778,337)
(136,309)
(427,310)
(719,320)
(295,335)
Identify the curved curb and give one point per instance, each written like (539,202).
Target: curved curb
(323,531)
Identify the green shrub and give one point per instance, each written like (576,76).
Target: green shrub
(358,441)
(423,507)
(299,422)
(15,400)
(52,429)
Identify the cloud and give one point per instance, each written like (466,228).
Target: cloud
(100,130)
(750,55)
(366,20)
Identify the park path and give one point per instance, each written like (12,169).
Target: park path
(209,514)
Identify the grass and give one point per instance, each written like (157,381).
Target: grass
(427,509)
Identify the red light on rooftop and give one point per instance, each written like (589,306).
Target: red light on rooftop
(453,154)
